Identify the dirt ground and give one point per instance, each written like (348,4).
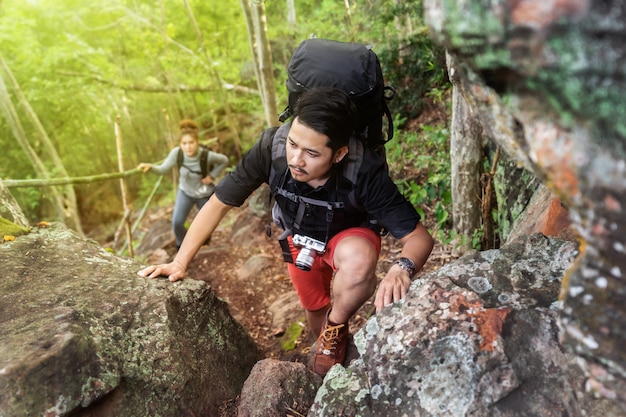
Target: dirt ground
(250,298)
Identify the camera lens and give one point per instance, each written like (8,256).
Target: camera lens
(305,259)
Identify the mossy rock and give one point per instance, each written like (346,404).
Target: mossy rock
(8,228)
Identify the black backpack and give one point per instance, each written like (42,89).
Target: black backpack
(204,157)
(355,68)
(352,67)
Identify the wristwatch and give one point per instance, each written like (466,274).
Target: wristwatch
(406,264)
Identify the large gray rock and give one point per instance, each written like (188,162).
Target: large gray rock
(547,81)
(82,335)
(479,337)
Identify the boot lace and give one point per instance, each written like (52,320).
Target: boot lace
(330,337)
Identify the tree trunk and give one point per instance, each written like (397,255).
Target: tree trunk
(9,209)
(64,202)
(346,4)
(488,203)
(261,51)
(252,42)
(291,13)
(264,52)
(465,157)
(123,190)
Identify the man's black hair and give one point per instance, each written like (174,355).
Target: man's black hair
(329,111)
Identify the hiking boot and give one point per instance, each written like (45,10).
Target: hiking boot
(330,347)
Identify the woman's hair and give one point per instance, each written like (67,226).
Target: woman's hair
(188,127)
(329,111)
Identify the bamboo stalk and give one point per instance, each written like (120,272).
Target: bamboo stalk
(120,163)
(170,145)
(49,182)
(144,210)
(64,200)
(160,89)
(147,204)
(121,227)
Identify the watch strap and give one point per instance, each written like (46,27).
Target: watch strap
(406,264)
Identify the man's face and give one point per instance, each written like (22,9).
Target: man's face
(308,156)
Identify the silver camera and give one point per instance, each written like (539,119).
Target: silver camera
(309,248)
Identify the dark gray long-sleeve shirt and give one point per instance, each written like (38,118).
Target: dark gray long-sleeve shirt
(190,179)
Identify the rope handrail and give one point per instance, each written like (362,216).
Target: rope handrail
(37,182)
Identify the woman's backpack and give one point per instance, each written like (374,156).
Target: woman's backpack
(204,156)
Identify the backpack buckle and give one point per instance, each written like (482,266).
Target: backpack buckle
(286,114)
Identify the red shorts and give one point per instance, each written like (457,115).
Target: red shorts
(313,287)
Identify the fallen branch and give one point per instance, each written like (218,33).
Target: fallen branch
(36,182)
(143,212)
(181,88)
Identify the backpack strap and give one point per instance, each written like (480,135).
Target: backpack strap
(204,160)
(278,173)
(356,151)
(304,201)
(388,95)
(278,152)
(179,158)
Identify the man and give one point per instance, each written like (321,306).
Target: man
(312,196)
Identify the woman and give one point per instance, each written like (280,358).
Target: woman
(197,167)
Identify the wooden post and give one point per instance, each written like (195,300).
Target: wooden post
(145,208)
(120,163)
(170,145)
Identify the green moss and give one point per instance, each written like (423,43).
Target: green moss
(581,85)
(476,32)
(579,75)
(8,228)
(514,187)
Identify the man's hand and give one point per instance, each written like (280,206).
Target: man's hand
(173,271)
(392,288)
(416,246)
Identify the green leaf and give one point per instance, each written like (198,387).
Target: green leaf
(289,340)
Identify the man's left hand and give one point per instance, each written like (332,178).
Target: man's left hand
(392,288)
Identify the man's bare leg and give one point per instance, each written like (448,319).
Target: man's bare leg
(355,280)
(315,319)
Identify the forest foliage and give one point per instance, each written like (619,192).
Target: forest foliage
(83,67)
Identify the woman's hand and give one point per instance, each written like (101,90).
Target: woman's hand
(173,271)
(144,167)
(208,180)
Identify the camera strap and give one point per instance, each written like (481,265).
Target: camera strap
(284,246)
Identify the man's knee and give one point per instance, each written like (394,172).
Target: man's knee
(356,256)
